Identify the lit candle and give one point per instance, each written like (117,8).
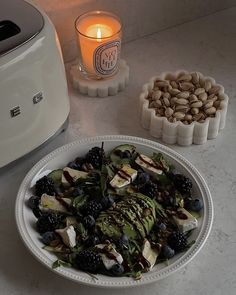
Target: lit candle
(99,43)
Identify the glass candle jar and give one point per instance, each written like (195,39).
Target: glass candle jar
(99,44)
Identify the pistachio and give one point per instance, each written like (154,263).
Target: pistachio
(193,98)
(173,101)
(153,104)
(195,77)
(182,108)
(169,112)
(183,94)
(221,96)
(207,85)
(210,111)
(158,103)
(186,86)
(174,91)
(199,91)
(217,104)
(185,77)
(202,96)
(214,89)
(196,104)
(208,104)
(198,117)
(156,94)
(166,95)
(188,117)
(161,83)
(182,101)
(174,84)
(166,101)
(178,115)
(194,111)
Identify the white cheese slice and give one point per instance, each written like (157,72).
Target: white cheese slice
(107,261)
(150,254)
(68,235)
(74,174)
(184,220)
(48,203)
(148,164)
(123,177)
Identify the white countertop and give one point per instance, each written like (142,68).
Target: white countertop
(207,45)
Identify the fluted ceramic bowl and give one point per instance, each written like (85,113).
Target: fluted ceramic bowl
(177,132)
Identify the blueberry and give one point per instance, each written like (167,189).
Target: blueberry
(196,205)
(92,241)
(48,237)
(168,252)
(88,221)
(107,202)
(33,202)
(117,269)
(162,226)
(124,240)
(73,165)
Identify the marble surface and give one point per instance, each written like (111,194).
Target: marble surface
(208,45)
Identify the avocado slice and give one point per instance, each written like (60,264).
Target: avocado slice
(55,176)
(134,216)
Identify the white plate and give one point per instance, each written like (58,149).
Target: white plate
(59,158)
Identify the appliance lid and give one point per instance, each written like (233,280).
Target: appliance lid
(19,22)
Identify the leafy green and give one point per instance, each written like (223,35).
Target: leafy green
(159,159)
(59,263)
(79,201)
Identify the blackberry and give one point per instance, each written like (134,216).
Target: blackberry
(95,157)
(92,208)
(48,222)
(33,202)
(141,179)
(150,189)
(177,241)
(44,186)
(88,260)
(182,183)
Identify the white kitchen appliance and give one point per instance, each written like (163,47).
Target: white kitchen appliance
(34,102)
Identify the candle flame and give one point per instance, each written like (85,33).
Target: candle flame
(99,33)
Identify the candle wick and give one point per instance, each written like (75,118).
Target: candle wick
(99,33)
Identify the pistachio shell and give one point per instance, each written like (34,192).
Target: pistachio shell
(194,111)
(156,94)
(196,104)
(186,86)
(199,91)
(174,84)
(207,85)
(208,104)
(185,77)
(193,98)
(210,111)
(203,96)
(215,89)
(174,91)
(183,94)
(178,115)
(169,112)
(166,101)
(195,77)
(182,101)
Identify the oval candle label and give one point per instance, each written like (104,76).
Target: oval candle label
(106,57)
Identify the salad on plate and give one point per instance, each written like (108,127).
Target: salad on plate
(118,213)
